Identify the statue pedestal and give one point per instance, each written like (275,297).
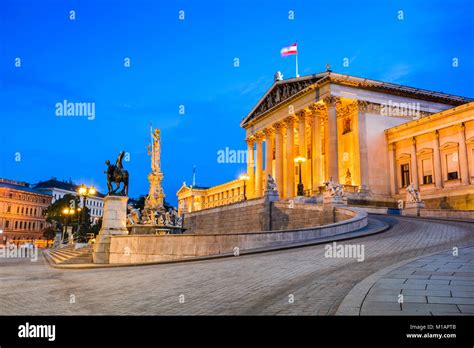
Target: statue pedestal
(413,208)
(114,223)
(334,200)
(271,196)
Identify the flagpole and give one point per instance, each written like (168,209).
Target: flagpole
(297,65)
(296,42)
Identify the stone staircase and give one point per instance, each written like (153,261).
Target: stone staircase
(69,255)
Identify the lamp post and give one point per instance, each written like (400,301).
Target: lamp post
(68,213)
(85,192)
(244,178)
(300,160)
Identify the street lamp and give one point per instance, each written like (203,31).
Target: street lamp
(68,213)
(4,238)
(244,178)
(85,192)
(300,160)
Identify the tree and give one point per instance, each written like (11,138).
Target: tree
(49,233)
(85,225)
(96,227)
(54,213)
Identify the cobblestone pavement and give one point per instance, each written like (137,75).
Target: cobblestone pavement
(440,284)
(297,281)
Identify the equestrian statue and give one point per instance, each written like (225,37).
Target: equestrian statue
(116,174)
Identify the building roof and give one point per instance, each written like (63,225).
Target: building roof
(430,118)
(20,186)
(299,85)
(53,183)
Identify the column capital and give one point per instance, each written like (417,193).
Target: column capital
(362,105)
(302,114)
(413,140)
(270,131)
(316,109)
(290,120)
(259,136)
(392,146)
(250,140)
(279,126)
(331,100)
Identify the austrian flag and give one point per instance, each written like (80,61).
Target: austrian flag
(288,51)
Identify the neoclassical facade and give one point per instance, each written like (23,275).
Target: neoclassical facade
(357,132)
(21,211)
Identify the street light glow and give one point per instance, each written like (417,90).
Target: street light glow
(300,159)
(244,177)
(92,190)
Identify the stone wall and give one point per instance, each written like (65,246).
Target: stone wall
(255,215)
(133,249)
(458,202)
(246,216)
(448,214)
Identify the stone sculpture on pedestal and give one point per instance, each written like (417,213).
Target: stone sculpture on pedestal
(115,211)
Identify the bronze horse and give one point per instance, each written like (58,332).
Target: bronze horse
(116,174)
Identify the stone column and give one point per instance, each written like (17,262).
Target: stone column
(414,165)
(279,129)
(333,167)
(463,164)
(438,176)
(316,109)
(259,166)
(290,156)
(363,151)
(393,168)
(250,189)
(302,151)
(269,134)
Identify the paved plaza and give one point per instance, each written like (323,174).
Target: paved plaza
(300,281)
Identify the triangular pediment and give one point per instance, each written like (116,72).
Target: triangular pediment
(183,189)
(279,93)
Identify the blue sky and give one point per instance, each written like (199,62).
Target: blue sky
(190,62)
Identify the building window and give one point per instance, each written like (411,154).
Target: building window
(9,209)
(452,165)
(7,224)
(427,170)
(405,174)
(16,224)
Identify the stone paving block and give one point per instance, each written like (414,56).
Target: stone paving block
(428,281)
(379,291)
(463,282)
(449,287)
(452,300)
(429,307)
(427,292)
(468,309)
(452,277)
(372,305)
(419,286)
(462,293)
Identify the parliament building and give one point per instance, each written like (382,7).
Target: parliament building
(373,137)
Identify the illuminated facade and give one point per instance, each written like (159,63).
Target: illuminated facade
(21,211)
(373,137)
